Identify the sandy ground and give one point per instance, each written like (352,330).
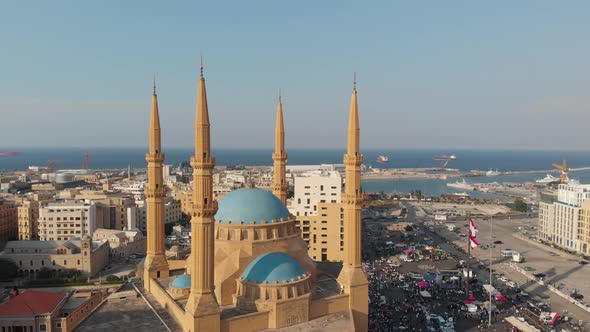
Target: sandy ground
(461,209)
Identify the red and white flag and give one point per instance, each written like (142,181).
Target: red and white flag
(472,232)
(473,242)
(472,228)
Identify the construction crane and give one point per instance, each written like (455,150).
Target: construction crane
(86,160)
(444,161)
(564,170)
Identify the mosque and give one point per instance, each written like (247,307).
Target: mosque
(249,269)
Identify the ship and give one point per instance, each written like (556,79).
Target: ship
(8,153)
(460,185)
(492,173)
(463,194)
(547,179)
(382,159)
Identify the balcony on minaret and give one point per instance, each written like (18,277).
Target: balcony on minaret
(154,157)
(199,162)
(354,160)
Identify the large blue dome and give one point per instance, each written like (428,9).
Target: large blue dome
(183,281)
(271,267)
(250,204)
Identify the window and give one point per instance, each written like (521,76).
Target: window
(42,327)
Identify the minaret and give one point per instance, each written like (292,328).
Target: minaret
(156,265)
(352,278)
(279,157)
(202,308)
(129,171)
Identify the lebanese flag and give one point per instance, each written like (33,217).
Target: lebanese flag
(472,228)
(473,242)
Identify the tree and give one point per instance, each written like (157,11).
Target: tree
(409,228)
(112,278)
(520,205)
(8,269)
(70,273)
(45,273)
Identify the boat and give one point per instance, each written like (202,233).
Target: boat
(382,159)
(463,194)
(460,185)
(547,179)
(8,153)
(492,173)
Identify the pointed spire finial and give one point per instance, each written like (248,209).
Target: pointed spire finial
(354,81)
(154,84)
(280,95)
(201,64)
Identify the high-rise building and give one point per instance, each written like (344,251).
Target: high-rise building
(562,218)
(313,188)
(65,220)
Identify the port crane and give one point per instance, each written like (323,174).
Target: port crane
(444,161)
(86,160)
(564,171)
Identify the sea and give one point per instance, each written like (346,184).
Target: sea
(501,160)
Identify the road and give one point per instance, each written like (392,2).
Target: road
(563,271)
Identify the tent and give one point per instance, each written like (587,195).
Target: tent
(408,251)
(422,284)
(471,298)
(425,294)
(500,297)
(467,302)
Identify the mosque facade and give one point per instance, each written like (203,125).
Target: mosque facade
(249,269)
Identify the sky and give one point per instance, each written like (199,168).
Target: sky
(433,74)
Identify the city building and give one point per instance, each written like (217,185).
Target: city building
(84,255)
(561,219)
(65,220)
(28,215)
(40,311)
(122,243)
(315,187)
(249,269)
(584,228)
(172,213)
(324,232)
(8,221)
(114,210)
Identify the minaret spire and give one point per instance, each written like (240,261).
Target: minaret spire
(352,277)
(202,307)
(279,157)
(156,265)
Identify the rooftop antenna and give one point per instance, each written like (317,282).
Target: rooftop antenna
(201,64)
(354,81)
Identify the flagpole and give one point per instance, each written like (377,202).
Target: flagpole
(468,253)
(491,241)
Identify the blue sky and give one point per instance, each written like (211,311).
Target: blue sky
(431,74)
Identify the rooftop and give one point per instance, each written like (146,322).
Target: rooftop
(251,204)
(31,302)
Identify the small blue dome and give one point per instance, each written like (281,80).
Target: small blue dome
(250,204)
(183,281)
(271,267)
(142,261)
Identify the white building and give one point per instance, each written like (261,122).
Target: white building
(559,217)
(315,187)
(62,221)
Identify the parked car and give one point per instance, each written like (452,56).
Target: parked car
(498,242)
(529,269)
(504,279)
(539,275)
(583,262)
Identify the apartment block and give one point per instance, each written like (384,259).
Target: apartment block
(313,188)
(62,221)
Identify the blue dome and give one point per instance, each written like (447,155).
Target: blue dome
(250,204)
(183,281)
(271,267)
